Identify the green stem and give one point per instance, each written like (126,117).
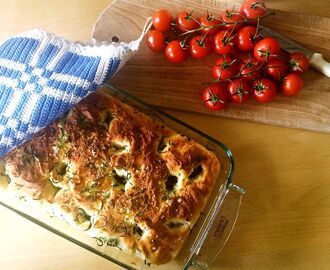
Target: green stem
(225,23)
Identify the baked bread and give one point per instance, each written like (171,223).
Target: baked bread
(119,174)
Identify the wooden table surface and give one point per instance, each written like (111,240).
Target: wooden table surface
(284,221)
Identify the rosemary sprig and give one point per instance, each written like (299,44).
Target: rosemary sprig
(110,242)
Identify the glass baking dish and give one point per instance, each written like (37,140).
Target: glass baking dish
(206,239)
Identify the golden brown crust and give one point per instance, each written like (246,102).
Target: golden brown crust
(132,177)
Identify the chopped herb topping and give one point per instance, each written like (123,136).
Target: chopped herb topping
(137,230)
(171,181)
(83,219)
(163,146)
(113,242)
(174,225)
(22,198)
(63,139)
(61,168)
(110,242)
(91,191)
(100,241)
(106,195)
(105,119)
(103,166)
(83,121)
(117,148)
(197,171)
(120,177)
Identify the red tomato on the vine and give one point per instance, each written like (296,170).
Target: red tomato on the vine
(200,47)
(215,97)
(162,19)
(224,68)
(266,49)
(298,62)
(239,90)
(246,38)
(276,69)
(292,84)
(156,40)
(253,9)
(234,36)
(283,56)
(249,69)
(186,21)
(264,90)
(233,19)
(207,23)
(175,53)
(224,42)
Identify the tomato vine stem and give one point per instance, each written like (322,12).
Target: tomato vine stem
(224,24)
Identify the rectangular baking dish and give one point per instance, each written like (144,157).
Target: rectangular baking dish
(206,239)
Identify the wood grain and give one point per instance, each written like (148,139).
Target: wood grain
(284,221)
(150,77)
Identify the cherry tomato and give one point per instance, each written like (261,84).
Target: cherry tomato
(156,40)
(249,69)
(266,49)
(200,47)
(175,53)
(292,84)
(276,69)
(223,42)
(298,62)
(232,18)
(186,21)
(208,21)
(264,90)
(253,9)
(246,38)
(162,19)
(215,97)
(224,68)
(239,90)
(283,56)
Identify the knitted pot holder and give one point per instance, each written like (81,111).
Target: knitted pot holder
(42,76)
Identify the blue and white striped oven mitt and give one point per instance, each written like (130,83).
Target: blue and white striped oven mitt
(42,76)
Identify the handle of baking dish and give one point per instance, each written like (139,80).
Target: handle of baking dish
(218,227)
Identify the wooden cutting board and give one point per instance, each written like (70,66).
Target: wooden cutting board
(150,77)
